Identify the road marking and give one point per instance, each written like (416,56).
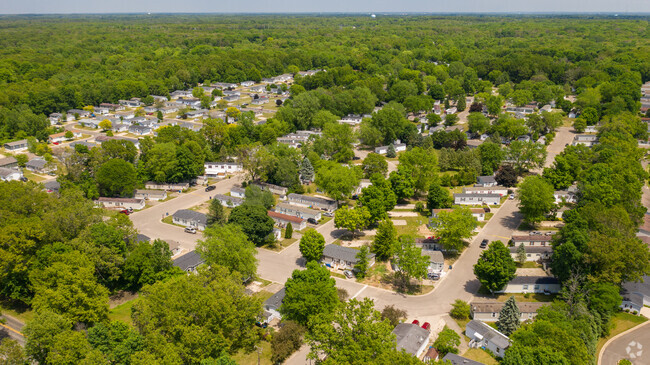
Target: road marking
(359,292)
(505,238)
(11,329)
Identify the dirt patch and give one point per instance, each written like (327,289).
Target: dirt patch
(121,297)
(399,222)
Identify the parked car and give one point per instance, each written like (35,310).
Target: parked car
(328,214)
(348,274)
(434,276)
(210,188)
(426,326)
(191,230)
(124,211)
(261,324)
(415,321)
(511,197)
(484,243)
(312,221)
(355,158)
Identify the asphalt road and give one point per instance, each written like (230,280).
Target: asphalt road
(11,329)
(563,137)
(634,346)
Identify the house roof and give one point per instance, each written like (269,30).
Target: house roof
(473,210)
(225,198)
(275,301)
(313,199)
(16,143)
(410,337)
(464,195)
(297,208)
(533,237)
(486,179)
(459,360)
(343,253)
(495,307)
(7,161)
(150,192)
(533,249)
(122,200)
(142,238)
(490,334)
(4,172)
(52,185)
(285,217)
(629,288)
(434,256)
(191,215)
(534,280)
(432,353)
(481,188)
(190,260)
(36,163)
(238,189)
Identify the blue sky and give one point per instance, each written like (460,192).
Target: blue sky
(285,6)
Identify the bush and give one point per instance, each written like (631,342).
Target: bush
(460,310)
(287,341)
(393,315)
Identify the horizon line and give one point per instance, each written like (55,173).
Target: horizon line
(386,13)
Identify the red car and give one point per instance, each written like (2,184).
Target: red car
(125,212)
(56,143)
(416,322)
(426,326)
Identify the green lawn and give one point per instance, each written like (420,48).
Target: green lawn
(282,244)
(16,310)
(528,265)
(170,220)
(122,312)
(530,298)
(32,176)
(480,356)
(412,225)
(620,323)
(243,358)
(263,295)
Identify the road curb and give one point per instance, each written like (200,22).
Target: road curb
(602,350)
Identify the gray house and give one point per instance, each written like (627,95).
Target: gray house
(294,210)
(229,201)
(489,311)
(151,194)
(312,202)
(189,262)
(411,338)
(8,162)
(343,258)
(272,306)
(486,181)
(454,359)
(38,166)
(17,146)
(436,261)
(635,295)
(190,218)
(477,199)
(534,253)
(532,284)
(483,335)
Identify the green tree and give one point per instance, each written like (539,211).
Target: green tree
(312,244)
(352,219)
(254,195)
(579,125)
(438,197)
(433,119)
(495,268)
(478,123)
(461,104)
(460,310)
(21,159)
(216,214)
(336,180)
(361,267)
(536,198)
(72,347)
(409,260)
(41,332)
(116,340)
(306,170)
(394,315)
(374,164)
(147,263)
(384,244)
(218,318)
(526,155)
(254,221)
(447,341)
(288,232)
(309,293)
(287,341)
(390,152)
(228,246)
(422,164)
(378,200)
(105,125)
(455,226)
(451,119)
(116,178)
(509,317)
(402,182)
(69,135)
(491,156)
(12,353)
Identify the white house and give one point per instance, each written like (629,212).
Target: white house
(312,202)
(489,311)
(485,181)
(60,137)
(238,192)
(585,139)
(152,185)
(151,194)
(436,261)
(532,284)
(7,174)
(503,191)
(483,335)
(636,295)
(297,223)
(228,201)
(17,145)
(398,145)
(221,169)
(190,218)
(272,306)
(569,195)
(532,240)
(122,203)
(478,213)
(247,83)
(533,253)
(477,199)
(297,211)
(411,338)
(343,258)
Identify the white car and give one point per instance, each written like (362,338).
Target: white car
(191,230)
(511,197)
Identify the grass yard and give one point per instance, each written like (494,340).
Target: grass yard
(122,312)
(32,176)
(480,356)
(281,245)
(16,310)
(263,295)
(528,265)
(527,297)
(243,358)
(170,220)
(412,225)
(620,323)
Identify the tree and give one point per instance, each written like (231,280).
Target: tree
(148,263)
(447,342)
(494,104)
(336,180)
(69,135)
(402,182)
(21,159)
(438,197)
(384,244)
(218,318)
(461,104)
(72,347)
(352,219)
(312,244)
(409,260)
(390,152)
(422,164)
(254,195)
(393,315)
(506,176)
(521,254)
(579,125)
(355,335)
(491,156)
(451,119)
(509,317)
(12,353)
(495,268)
(287,341)
(288,232)
(228,246)
(460,310)
(378,199)
(374,163)
(216,214)
(478,123)
(254,221)
(526,155)
(433,119)
(536,198)
(454,226)
(116,340)
(306,171)
(116,178)
(361,267)
(233,112)
(105,125)
(309,293)
(41,331)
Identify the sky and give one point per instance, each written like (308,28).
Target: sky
(311,6)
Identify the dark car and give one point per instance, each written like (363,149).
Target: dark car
(484,243)
(355,158)
(210,188)
(312,221)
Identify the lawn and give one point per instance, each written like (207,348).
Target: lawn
(528,265)
(620,323)
(32,176)
(480,356)
(16,310)
(412,225)
(281,245)
(243,358)
(530,297)
(263,295)
(122,312)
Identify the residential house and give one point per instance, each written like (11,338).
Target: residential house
(190,218)
(8,162)
(131,103)
(60,137)
(224,85)
(593,129)
(411,338)
(231,98)
(353,119)
(112,107)
(174,247)
(454,359)
(189,262)
(585,139)
(452,110)
(477,199)
(501,190)
(485,181)
(532,284)
(192,126)
(238,192)
(312,202)
(125,115)
(140,130)
(17,145)
(489,311)
(102,139)
(297,211)
(159,99)
(89,123)
(52,186)
(120,127)
(428,244)
(229,201)
(10,174)
(180,94)
(272,306)
(282,220)
(150,109)
(274,189)
(74,113)
(89,145)
(194,114)
(431,355)
(533,253)
(343,258)
(398,145)
(297,139)
(152,185)
(478,213)
(169,110)
(526,109)
(636,295)
(260,101)
(38,165)
(483,335)
(55,118)
(121,203)
(101,110)
(247,83)
(363,183)
(150,194)
(221,169)
(436,261)
(257,89)
(569,195)
(532,240)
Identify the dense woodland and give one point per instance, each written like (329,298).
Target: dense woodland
(61,258)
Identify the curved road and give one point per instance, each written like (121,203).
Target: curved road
(633,345)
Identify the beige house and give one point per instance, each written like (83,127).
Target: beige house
(121,203)
(489,311)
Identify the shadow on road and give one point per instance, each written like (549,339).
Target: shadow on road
(300,261)
(472,286)
(511,221)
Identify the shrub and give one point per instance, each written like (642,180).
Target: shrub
(460,310)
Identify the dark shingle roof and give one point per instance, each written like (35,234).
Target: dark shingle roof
(459,360)
(342,253)
(275,301)
(533,249)
(189,261)
(191,216)
(534,280)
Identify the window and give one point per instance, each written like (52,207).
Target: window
(498,349)
(536,287)
(494,315)
(525,287)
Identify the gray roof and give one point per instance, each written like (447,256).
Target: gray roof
(191,216)
(16,143)
(434,256)
(534,280)
(52,185)
(490,334)
(84,143)
(189,261)
(313,199)
(7,161)
(495,307)
(238,189)
(4,172)
(142,238)
(636,291)
(459,360)
(533,249)
(410,337)
(343,253)
(485,179)
(275,301)
(225,198)
(36,163)
(296,208)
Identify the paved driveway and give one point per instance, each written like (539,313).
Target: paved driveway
(634,346)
